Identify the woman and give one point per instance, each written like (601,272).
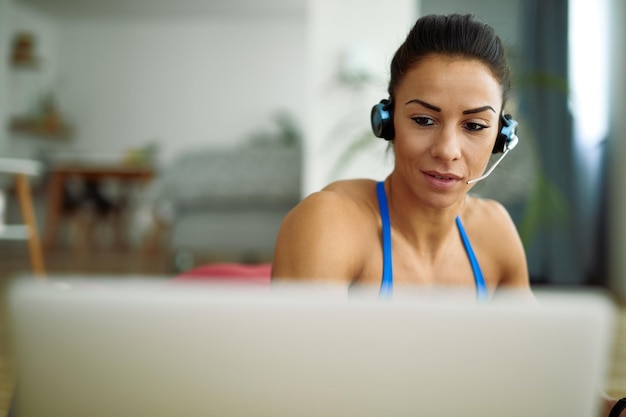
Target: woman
(444,118)
(449,84)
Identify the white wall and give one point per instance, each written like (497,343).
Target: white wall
(183,81)
(29,84)
(337,114)
(5,32)
(22,88)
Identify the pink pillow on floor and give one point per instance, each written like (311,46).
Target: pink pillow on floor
(229,272)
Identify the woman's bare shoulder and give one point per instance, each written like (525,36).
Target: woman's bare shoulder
(492,229)
(488,220)
(350,197)
(482,209)
(320,237)
(356,189)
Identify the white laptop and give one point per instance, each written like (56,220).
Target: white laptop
(139,348)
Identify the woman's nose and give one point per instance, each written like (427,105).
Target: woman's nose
(446,144)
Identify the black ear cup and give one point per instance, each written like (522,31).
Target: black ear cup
(507,137)
(382,120)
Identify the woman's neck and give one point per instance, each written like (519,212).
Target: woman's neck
(425,227)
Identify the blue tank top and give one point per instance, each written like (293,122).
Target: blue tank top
(386,287)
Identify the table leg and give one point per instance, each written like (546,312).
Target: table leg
(28,214)
(54,196)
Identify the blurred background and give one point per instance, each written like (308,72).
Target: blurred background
(177,132)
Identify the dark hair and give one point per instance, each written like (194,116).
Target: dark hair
(454,35)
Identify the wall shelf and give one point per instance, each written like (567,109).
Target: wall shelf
(40,127)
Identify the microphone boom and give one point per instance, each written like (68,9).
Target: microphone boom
(506,151)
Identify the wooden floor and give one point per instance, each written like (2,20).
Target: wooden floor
(13,261)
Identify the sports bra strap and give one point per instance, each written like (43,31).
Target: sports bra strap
(481,287)
(386,287)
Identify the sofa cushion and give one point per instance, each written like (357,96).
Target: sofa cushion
(265,175)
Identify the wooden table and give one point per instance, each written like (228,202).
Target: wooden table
(60,174)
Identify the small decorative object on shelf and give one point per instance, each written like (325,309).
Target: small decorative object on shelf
(23,52)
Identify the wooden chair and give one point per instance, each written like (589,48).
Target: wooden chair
(21,169)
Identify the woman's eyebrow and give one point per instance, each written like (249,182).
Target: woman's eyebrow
(437,109)
(423,103)
(478,110)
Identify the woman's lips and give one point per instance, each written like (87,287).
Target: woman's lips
(441,180)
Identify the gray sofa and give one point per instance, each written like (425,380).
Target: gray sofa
(223,204)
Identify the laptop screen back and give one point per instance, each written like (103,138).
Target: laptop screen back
(101,348)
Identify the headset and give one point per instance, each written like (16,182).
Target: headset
(382,126)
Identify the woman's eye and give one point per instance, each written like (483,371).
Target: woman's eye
(474,127)
(423,121)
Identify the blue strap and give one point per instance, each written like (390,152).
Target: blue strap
(481,287)
(386,287)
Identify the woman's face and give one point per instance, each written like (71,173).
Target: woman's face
(446,113)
